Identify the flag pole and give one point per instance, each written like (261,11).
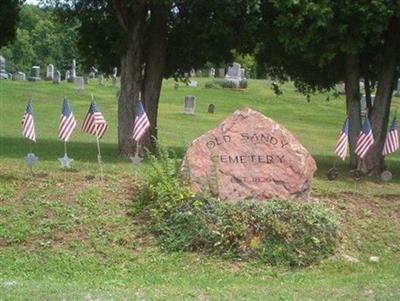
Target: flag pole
(98,150)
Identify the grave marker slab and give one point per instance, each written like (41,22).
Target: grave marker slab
(252,157)
(190,105)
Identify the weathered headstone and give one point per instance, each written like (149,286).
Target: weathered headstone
(101,79)
(211,108)
(221,72)
(73,71)
(341,89)
(249,156)
(363,103)
(35,73)
(192,72)
(115,72)
(192,83)
(211,72)
(57,77)
(3,73)
(50,72)
(235,74)
(67,75)
(19,76)
(93,72)
(79,83)
(190,105)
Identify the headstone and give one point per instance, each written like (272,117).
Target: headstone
(211,108)
(192,83)
(79,83)
(93,72)
(341,89)
(101,80)
(115,72)
(57,77)
(192,72)
(235,74)
(50,72)
(67,75)
(211,72)
(35,73)
(19,76)
(252,157)
(397,93)
(363,103)
(73,70)
(3,73)
(190,105)
(221,72)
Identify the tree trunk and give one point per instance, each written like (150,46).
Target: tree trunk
(154,70)
(352,86)
(131,75)
(373,163)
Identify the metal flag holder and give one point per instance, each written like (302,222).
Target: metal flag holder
(31,159)
(100,162)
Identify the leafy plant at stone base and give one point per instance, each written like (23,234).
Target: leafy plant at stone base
(277,232)
(164,189)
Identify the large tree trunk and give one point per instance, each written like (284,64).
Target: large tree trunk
(373,163)
(352,85)
(133,23)
(154,70)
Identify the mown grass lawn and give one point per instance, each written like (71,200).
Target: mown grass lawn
(69,236)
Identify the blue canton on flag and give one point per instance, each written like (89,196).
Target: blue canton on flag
(365,139)
(392,139)
(142,123)
(342,143)
(67,122)
(28,126)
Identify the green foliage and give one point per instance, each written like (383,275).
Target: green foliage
(8,19)
(164,190)
(278,232)
(41,40)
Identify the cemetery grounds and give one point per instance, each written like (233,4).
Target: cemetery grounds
(69,236)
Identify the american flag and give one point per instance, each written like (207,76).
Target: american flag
(392,139)
(142,123)
(28,126)
(365,139)
(94,123)
(67,122)
(342,143)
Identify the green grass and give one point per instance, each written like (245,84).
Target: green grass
(70,236)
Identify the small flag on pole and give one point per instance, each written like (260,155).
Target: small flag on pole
(28,126)
(365,139)
(142,123)
(343,140)
(94,123)
(67,122)
(392,139)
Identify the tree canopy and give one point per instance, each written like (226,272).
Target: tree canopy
(8,19)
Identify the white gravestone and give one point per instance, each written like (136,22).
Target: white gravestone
(211,72)
(363,103)
(190,105)
(3,73)
(101,80)
(67,75)
(192,83)
(235,74)
(50,72)
(79,83)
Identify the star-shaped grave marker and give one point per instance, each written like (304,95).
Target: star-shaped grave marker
(65,161)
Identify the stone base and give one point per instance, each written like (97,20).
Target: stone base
(3,75)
